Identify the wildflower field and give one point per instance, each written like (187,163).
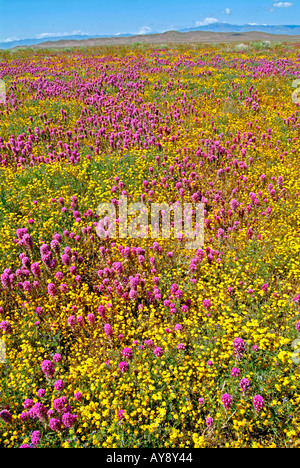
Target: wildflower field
(141,342)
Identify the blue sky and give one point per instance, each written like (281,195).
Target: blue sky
(22,19)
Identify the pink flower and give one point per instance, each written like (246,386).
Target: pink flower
(55,424)
(244,385)
(69,420)
(258,403)
(298,326)
(57,358)
(121,414)
(201,401)
(35,438)
(158,351)
(209,363)
(5,326)
(123,366)
(227,401)
(48,368)
(209,421)
(78,396)
(91,318)
(6,416)
(206,304)
(52,291)
(28,403)
(127,353)
(41,393)
(108,330)
(59,385)
(235,372)
(181,346)
(72,321)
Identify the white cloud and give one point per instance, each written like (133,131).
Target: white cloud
(227,11)
(206,21)
(282,4)
(58,34)
(144,30)
(11,39)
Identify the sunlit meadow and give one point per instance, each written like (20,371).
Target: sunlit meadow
(140,342)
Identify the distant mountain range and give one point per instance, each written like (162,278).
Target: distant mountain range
(289,30)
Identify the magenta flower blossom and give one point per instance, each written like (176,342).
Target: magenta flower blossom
(207,304)
(108,330)
(181,346)
(209,421)
(78,396)
(59,403)
(127,353)
(258,403)
(28,403)
(178,327)
(59,385)
(6,416)
(55,424)
(48,368)
(121,414)
(24,416)
(35,438)
(123,366)
(158,351)
(41,392)
(244,385)
(298,326)
(39,411)
(72,321)
(227,401)
(234,204)
(209,363)
(239,347)
(5,326)
(69,420)
(235,372)
(52,290)
(57,357)
(201,401)
(149,343)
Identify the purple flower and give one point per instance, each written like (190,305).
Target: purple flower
(235,372)
(59,385)
(55,424)
(6,416)
(227,401)
(52,290)
(5,326)
(69,420)
(35,438)
(244,385)
(258,403)
(28,403)
(123,366)
(40,411)
(48,368)
(41,392)
(209,421)
(127,353)
(158,351)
